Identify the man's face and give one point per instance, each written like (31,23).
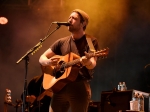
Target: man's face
(75,23)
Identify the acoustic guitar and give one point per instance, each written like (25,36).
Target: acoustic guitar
(56,77)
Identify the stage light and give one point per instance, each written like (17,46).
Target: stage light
(3,20)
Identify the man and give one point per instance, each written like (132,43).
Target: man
(75,94)
(38,98)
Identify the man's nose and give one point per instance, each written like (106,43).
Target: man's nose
(70,19)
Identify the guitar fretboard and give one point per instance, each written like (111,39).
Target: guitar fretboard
(101,53)
(69,64)
(76,61)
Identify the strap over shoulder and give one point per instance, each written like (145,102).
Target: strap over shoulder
(90,44)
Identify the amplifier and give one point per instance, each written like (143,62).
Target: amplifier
(113,101)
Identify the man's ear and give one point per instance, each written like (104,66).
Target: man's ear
(84,23)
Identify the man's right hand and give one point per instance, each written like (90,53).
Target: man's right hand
(53,61)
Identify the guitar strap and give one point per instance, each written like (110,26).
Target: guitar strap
(91,49)
(90,44)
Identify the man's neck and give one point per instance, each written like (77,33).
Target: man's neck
(77,36)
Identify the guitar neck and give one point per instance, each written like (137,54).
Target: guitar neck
(76,61)
(71,63)
(101,53)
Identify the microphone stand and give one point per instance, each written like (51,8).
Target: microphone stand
(26,58)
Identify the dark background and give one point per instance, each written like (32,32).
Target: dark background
(121,25)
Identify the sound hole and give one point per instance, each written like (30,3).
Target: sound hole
(59,69)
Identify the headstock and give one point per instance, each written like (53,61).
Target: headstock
(102,53)
(8,96)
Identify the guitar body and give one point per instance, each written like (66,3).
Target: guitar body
(67,69)
(56,84)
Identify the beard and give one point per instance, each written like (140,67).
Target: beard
(72,28)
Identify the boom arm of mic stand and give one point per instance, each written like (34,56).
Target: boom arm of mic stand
(37,46)
(26,58)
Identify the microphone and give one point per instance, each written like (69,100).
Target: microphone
(62,23)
